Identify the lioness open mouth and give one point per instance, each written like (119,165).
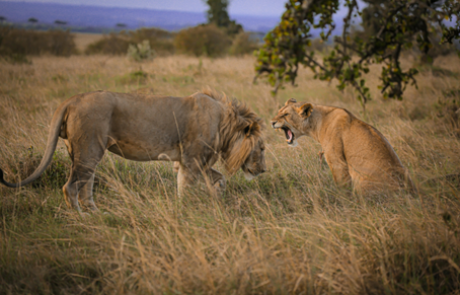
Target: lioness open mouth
(289,135)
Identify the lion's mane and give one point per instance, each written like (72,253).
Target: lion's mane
(240,129)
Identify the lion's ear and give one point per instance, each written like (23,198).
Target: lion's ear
(289,101)
(251,129)
(305,110)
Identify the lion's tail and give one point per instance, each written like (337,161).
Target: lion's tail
(53,135)
(410,184)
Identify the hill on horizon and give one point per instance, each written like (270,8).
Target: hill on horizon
(80,17)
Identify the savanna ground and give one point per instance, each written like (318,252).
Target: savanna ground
(291,230)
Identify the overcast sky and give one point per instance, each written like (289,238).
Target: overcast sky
(249,7)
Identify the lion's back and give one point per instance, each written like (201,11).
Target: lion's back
(369,154)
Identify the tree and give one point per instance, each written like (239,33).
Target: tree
(374,12)
(401,22)
(32,20)
(371,16)
(217,14)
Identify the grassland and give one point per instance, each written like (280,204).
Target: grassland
(291,230)
(82,40)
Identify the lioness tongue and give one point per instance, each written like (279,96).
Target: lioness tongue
(290,135)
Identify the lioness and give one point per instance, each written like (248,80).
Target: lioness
(193,130)
(356,152)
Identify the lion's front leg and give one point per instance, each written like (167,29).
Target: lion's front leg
(186,177)
(176,167)
(218,181)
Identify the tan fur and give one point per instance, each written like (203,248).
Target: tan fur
(193,131)
(356,152)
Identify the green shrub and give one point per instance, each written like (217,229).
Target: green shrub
(118,43)
(137,77)
(141,51)
(16,43)
(243,44)
(202,40)
(160,40)
(115,44)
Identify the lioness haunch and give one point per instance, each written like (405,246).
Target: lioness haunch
(356,152)
(193,130)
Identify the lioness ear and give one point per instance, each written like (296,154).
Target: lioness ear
(305,110)
(289,101)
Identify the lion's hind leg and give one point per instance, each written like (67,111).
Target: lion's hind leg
(80,183)
(81,179)
(339,168)
(86,195)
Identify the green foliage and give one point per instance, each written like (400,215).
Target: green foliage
(372,17)
(160,40)
(242,44)
(15,44)
(218,15)
(141,51)
(137,77)
(207,40)
(288,45)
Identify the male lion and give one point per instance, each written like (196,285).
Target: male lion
(193,130)
(356,152)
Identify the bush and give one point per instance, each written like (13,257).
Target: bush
(141,51)
(20,42)
(243,44)
(202,40)
(116,44)
(160,40)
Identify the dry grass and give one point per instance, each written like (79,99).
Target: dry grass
(82,40)
(289,231)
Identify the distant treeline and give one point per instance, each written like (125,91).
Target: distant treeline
(21,42)
(203,40)
(30,25)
